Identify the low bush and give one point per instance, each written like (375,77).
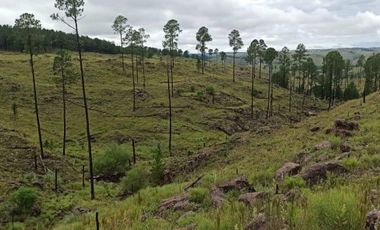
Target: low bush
(198,195)
(294,182)
(135,179)
(22,201)
(114,161)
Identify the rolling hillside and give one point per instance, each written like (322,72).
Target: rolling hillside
(231,158)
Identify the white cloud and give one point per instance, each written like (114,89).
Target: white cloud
(316,23)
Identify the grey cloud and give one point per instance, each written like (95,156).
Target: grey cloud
(317,23)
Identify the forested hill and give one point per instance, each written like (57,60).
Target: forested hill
(11,39)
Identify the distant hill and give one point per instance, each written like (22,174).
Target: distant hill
(351,54)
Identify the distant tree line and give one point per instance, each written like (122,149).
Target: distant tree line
(12,39)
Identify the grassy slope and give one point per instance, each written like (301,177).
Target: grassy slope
(256,156)
(258,159)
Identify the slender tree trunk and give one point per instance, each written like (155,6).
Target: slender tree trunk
(137,69)
(64,112)
(269,94)
(233,68)
(203,62)
(171,76)
(252,85)
(260,69)
(271,91)
(170,110)
(122,52)
(133,79)
(42,155)
(290,93)
(134,151)
(330,92)
(86,111)
(143,66)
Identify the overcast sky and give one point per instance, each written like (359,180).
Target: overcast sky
(316,23)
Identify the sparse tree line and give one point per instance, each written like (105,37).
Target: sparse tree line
(296,71)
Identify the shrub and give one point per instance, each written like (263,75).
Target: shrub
(210,90)
(135,179)
(200,96)
(23,200)
(351,163)
(351,92)
(294,182)
(114,161)
(198,195)
(158,166)
(192,89)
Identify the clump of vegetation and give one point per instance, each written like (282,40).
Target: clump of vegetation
(22,201)
(200,96)
(351,92)
(294,183)
(114,161)
(210,90)
(157,172)
(370,161)
(135,179)
(335,142)
(351,163)
(192,89)
(340,208)
(198,195)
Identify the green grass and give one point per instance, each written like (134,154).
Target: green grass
(254,153)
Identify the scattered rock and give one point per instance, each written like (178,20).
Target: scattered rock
(168,176)
(328,131)
(346,125)
(311,114)
(357,116)
(81,210)
(345,147)
(217,197)
(252,197)
(344,128)
(324,145)
(319,171)
(315,129)
(175,203)
(288,169)
(239,183)
(302,157)
(257,224)
(373,220)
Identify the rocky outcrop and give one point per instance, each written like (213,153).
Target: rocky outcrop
(345,128)
(288,169)
(175,203)
(217,197)
(323,145)
(252,197)
(315,129)
(318,172)
(373,220)
(238,183)
(345,147)
(257,223)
